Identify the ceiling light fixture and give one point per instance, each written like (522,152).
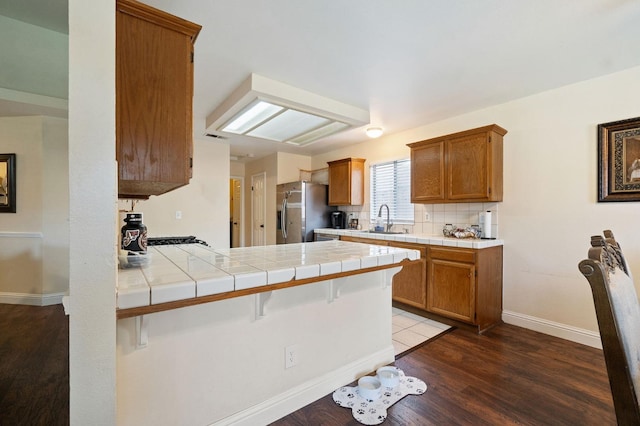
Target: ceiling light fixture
(374,132)
(267,109)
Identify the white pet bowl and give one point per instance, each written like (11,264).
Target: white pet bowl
(369,387)
(388,376)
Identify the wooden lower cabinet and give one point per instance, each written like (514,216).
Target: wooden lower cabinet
(466,285)
(461,284)
(452,290)
(409,285)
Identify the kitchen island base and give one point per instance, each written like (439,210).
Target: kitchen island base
(220,363)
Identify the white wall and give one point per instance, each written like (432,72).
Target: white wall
(550,207)
(21,247)
(34,59)
(290,165)
(34,253)
(55,206)
(203,203)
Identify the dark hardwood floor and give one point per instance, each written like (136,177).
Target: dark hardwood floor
(509,376)
(34,365)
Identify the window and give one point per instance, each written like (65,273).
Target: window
(391,185)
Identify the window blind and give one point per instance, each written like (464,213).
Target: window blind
(391,185)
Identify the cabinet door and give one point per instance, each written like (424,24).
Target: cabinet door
(451,289)
(340,183)
(468,171)
(410,284)
(154,89)
(427,173)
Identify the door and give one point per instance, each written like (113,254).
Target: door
(258,209)
(236,212)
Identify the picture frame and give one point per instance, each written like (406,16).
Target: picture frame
(619,160)
(7,183)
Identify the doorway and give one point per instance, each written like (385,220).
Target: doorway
(258,209)
(236,211)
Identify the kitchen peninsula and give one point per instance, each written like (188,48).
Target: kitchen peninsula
(246,335)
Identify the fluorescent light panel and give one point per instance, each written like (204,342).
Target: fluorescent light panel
(258,112)
(271,110)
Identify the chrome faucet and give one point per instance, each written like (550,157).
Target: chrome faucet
(380,215)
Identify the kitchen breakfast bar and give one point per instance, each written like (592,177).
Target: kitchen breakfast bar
(247,335)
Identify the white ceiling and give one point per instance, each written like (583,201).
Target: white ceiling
(409,62)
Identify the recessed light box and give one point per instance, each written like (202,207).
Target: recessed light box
(267,109)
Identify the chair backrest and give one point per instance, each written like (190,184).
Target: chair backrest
(618,312)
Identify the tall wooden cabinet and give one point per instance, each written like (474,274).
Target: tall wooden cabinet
(154,98)
(456,168)
(346,182)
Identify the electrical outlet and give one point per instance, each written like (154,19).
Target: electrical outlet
(427,217)
(290,356)
(178,214)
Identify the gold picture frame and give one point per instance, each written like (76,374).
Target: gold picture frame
(619,160)
(7,183)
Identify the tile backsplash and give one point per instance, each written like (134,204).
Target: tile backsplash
(461,215)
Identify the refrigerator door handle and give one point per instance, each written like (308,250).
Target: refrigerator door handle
(283,218)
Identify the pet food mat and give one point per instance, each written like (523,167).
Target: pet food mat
(374,412)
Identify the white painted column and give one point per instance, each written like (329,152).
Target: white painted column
(92,206)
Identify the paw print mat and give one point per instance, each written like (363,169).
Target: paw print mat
(374,412)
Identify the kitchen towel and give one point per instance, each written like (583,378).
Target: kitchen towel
(485,224)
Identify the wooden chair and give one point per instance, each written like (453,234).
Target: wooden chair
(618,312)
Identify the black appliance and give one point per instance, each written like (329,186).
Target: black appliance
(162,241)
(338,220)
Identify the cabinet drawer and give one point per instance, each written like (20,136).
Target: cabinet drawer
(364,240)
(456,255)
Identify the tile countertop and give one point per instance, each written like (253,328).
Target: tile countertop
(434,240)
(188,271)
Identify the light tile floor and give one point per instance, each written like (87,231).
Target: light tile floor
(410,330)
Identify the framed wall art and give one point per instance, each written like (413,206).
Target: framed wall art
(619,160)
(7,183)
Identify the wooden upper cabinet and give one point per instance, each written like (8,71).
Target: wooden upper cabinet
(154,99)
(346,182)
(461,167)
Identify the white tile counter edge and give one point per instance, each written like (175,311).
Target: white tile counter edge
(433,240)
(168,279)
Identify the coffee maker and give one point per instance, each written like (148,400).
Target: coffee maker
(338,220)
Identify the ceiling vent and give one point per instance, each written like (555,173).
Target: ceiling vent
(267,109)
(213,135)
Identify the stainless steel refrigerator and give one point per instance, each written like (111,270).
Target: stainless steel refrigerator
(302,207)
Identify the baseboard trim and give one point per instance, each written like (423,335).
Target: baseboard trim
(31,299)
(575,334)
(287,402)
(20,234)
